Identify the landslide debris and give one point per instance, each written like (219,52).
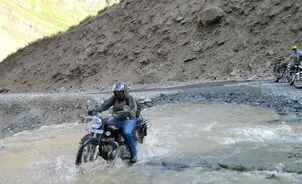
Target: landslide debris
(151,41)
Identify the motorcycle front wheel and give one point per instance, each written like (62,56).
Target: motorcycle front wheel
(297,81)
(280,72)
(88,152)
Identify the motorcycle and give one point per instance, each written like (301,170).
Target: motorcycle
(284,72)
(105,140)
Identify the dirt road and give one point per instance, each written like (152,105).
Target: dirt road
(27,111)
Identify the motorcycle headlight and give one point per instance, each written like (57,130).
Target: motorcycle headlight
(97,123)
(96,126)
(98,120)
(107,133)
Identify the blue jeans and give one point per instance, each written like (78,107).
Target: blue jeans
(127,128)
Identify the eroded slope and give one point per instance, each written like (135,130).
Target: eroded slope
(150,41)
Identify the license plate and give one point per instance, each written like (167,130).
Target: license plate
(96,131)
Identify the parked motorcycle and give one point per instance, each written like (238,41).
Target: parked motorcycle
(284,72)
(105,140)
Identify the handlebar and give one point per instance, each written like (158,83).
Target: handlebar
(86,119)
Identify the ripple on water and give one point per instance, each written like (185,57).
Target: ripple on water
(183,145)
(275,134)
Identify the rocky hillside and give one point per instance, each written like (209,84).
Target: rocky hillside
(23,21)
(151,41)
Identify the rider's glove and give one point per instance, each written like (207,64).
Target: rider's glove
(121,116)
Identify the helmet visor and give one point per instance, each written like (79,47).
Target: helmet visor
(119,94)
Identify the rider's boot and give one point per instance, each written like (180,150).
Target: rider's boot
(277,79)
(133,159)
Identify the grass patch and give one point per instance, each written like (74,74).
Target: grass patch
(45,18)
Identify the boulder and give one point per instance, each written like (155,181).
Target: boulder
(4,90)
(210,15)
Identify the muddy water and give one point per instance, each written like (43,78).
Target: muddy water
(185,144)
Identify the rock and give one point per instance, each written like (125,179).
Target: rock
(144,61)
(4,90)
(270,53)
(102,49)
(239,46)
(197,46)
(221,42)
(204,45)
(235,72)
(61,109)
(148,100)
(189,58)
(77,106)
(295,28)
(179,18)
(137,51)
(271,176)
(91,104)
(83,120)
(26,121)
(163,52)
(252,77)
(62,89)
(239,168)
(210,15)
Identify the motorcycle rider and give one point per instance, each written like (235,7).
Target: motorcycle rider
(295,57)
(294,60)
(124,109)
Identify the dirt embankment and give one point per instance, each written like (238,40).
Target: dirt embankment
(150,41)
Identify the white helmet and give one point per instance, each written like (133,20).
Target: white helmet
(119,86)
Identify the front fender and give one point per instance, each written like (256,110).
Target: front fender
(91,140)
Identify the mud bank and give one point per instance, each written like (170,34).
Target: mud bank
(280,98)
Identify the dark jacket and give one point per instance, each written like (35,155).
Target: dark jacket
(296,56)
(121,108)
